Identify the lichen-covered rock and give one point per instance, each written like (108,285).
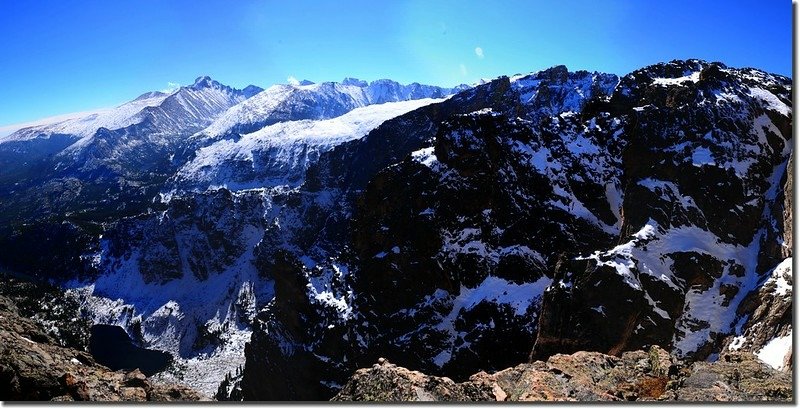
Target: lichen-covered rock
(386,382)
(651,375)
(735,377)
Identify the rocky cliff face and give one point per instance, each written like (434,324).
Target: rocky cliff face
(650,375)
(766,327)
(313,290)
(702,164)
(788,197)
(641,214)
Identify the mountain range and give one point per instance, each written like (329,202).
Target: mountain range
(276,240)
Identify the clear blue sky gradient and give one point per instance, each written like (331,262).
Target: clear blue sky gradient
(64,56)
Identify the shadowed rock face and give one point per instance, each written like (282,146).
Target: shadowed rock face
(696,229)
(34,367)
(295,318)
(583,376)
(788,195)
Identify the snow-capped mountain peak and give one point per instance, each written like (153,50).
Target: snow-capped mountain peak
(355,82)
(308,100)
(206,82)
(555,90)
(80,127)
(152,94)
(191,99)
(251,90)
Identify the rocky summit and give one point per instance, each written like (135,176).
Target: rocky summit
(650,375)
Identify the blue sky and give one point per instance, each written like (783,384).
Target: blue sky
(67,56)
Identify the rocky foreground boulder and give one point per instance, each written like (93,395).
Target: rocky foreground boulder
(651,375)
(34,367)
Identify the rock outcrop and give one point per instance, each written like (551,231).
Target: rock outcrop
(34,367)
(56,312)
(767,328)
(651,375)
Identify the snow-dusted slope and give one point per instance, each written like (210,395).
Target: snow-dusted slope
(7,130)
(85,125)
(280,153)
(162,118)
(97,158)
(765,327)
(182,111)
(314,101)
